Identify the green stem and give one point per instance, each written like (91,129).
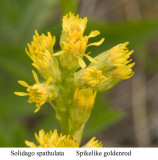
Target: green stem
(63,104)
(77,132)
(52,105)
(63,120)
(62,114)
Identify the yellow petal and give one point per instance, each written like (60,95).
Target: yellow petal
(36,33)
(81,62)
(53,40)
(125,43)
(131,65)
(23,83)
(58,53)
(27,52)
(36,66)
(96,43)
(21,93)
(35,76)
(94,34)
(37,109)
(37,138)
(90,58)
(129,76)
(30,144)
(93,143)
(41,136)
(49,80)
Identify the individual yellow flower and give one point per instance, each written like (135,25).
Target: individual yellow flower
(74,43)
(41,51)
(89,77)
(54,140)
(84,98)
(39,93)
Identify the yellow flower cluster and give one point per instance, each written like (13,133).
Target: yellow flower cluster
(69,82)
(53,139)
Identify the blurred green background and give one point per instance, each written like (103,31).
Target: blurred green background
(127,115)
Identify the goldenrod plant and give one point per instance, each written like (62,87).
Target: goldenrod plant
(69,85)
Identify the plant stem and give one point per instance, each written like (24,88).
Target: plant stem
(52,105)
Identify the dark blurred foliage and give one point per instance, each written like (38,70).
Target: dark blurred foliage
(123,116)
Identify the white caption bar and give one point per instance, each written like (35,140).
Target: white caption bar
(79,153)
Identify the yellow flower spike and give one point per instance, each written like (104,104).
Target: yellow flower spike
(40,50)
(39,93)
(55,140)
(74,43)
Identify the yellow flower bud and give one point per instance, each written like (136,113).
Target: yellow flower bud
(39,93)
(84,98)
